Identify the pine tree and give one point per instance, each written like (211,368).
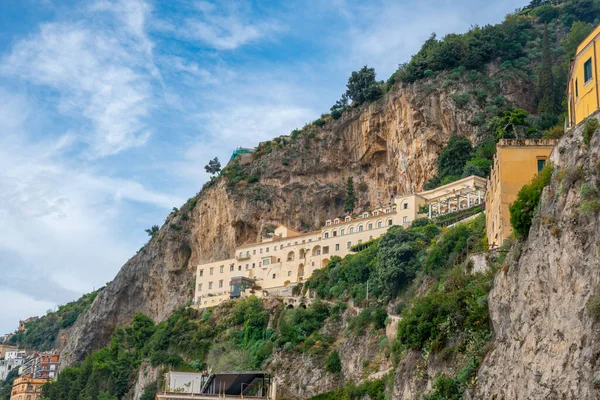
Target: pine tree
(546,88)
(350,196)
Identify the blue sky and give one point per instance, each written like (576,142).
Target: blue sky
(109,110)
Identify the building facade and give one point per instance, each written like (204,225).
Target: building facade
(582,90)
(6,366)
(27,388)
(516,162)
(4,348)
(275,265)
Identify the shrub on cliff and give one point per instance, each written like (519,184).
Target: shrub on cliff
(528,198)
(362,86)
(333,363)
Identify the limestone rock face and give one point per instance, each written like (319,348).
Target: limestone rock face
(388,147)
(546,342)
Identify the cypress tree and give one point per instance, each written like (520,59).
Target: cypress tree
(350,196)
(546,92)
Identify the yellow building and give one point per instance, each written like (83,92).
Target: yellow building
(275,265)
(515,163)
(583,94)
(27,388)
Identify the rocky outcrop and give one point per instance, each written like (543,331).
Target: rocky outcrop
(389,147)
(546,339)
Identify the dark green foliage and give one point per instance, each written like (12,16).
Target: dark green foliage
(470,51)
(333,363)
(593,307)
(372,390)
(590,127)
(511,124)
(451,162)
(546,89)
(187,335)
(296,325)
(370,316)
(362,86)
(149,392)
(457,304)
(339,107)
(319,122)
(453,243)
(546,13)
(213,167)
(41,334)
(6,385)
(388,263)
(445,388)
(579,31)
(152,231)
(528,198)
(350,201)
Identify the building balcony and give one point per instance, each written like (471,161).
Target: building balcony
(240,257)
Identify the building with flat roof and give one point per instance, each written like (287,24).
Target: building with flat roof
(273,266)
(27,388)
(516,162)
(583,96)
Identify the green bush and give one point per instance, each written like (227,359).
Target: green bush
(333,363)
(594,307)
(590,127)
(445,388)
(528,198)
(461,100)
(590,207)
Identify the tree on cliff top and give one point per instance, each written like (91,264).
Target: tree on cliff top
(362,86)
(213,167)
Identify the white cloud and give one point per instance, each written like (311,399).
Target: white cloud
(221,27)
(19,306)
(103,75)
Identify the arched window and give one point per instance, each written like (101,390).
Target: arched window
(360,228)
(326,235)
(370,226)
(351,229)
(334,233)
(342,231)
(316,251)
(291,256)
(300,270)
(380,224)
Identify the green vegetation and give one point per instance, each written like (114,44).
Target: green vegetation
(42,333)
(213,167)
(153,230)
(459,159)
(6,385)
(372,390)
(528,198)
(333,363)
(590,127)
(362,86)
(351,199)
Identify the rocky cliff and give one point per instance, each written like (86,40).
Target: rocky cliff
(388,147)
(547,335)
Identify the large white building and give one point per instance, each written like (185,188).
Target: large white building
(276,264)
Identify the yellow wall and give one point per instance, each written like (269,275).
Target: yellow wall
(515,164)
(27,388)
(583,97)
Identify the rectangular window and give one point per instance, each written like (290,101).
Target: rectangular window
(260,251)
(199,287)
(274,276)
(231,267)
(239,267)
(370,226)
(254,252)
(289,273)
(326,250)
(221,269)
(253,265)
(210,285)
(267,249)
(405,220)
(406,206)
(247,266)
(221,283)
(576,89)
(212,270)
(349,245)
(587,71)
(201,273)
(541,164)
(337,247)
(266,261)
